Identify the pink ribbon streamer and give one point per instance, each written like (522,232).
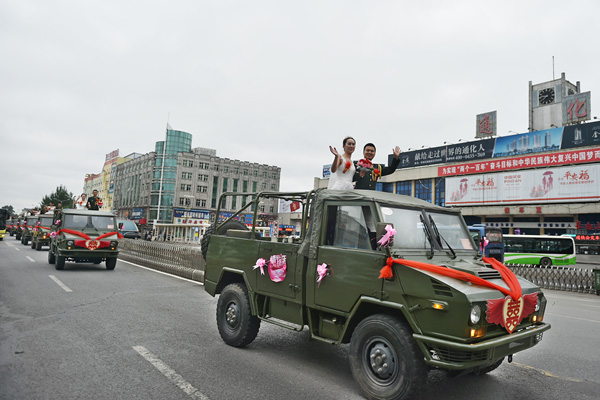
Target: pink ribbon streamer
(322,271)
(387,239)
(260,263)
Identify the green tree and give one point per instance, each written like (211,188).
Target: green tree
(10,209)
(60,195)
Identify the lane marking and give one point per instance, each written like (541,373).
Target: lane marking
(170,374)
(30,259)
(568,316)
(161,272)
(548,374)
(17,249)
(59,283)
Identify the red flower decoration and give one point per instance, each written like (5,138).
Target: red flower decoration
(348,165)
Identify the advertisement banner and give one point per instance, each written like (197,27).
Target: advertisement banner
(562,184)
(530,142)
(581,135)
(533,161)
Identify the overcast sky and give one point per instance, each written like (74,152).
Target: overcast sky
(273,82)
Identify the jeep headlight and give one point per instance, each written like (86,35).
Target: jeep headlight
(114,243)
(70,243)
(475,315)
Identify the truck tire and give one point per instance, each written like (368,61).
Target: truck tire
(25,241)
(237,326)
(38,246)
(233,224)
(490,368)
(385,359)
(60,263)
(51,257)
(32,244)
(545,262)
(111,263)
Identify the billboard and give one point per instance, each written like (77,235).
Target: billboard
(562,184)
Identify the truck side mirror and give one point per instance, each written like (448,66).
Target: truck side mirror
(120,226)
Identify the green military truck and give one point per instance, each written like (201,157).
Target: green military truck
(397,278)
(84,236)
(41,232)
(28,226)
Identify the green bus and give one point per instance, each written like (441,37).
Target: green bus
(539,250)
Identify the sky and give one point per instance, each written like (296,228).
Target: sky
(273,82)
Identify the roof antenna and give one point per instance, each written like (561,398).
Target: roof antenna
(552,67)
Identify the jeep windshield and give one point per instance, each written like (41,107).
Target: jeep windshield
(46,221)
(73,221)
(412,229)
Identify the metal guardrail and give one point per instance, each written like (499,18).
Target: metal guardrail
(173,258)
(557,278)
(186,260)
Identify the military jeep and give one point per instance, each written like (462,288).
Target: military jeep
(84,236)
(397,278)
(27,229)
(41,232)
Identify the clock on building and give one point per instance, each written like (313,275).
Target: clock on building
(546,96)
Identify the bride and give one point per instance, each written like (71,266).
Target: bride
(342,168)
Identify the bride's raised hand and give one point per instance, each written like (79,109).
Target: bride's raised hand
(334,151)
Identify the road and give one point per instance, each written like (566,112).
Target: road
(134,333)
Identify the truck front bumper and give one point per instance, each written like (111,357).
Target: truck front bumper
(461,356)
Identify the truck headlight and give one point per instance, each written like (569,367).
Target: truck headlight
(70,243)
(475,315)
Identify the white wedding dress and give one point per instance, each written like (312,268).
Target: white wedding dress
(340,180)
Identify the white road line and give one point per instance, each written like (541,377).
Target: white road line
(170,374)
(17,249)
(30,259)
(568,316)
(164,273)
(59,283)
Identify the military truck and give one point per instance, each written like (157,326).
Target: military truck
(41,232)
(28,226)
(18,227)
(84,236)
(397,278)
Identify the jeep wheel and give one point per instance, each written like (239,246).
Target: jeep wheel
(60,263)
(545,262)
(32,244)
(385,360)
(111,263)
(25,241)
(51,257)
(490,368)
(237,326)
(38,246)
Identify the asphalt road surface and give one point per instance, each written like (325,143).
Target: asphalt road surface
(134,333)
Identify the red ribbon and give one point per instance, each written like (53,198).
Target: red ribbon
(86,236)
(514,288)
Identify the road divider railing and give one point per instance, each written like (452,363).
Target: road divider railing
(173,258)
(557,277)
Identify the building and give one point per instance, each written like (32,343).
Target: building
(182,191)
(104,181)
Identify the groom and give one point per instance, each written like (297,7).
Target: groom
(369,180)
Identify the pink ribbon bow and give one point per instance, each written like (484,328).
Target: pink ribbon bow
(387,239)
(322,271)
(260,263)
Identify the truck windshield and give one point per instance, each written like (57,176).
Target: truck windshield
(411,232)
(47,222)
(88,221)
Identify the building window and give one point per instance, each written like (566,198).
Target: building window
(255,173)
(264,185)
(245,171)
(404,187)
(215,190)
(201,189)
(423,189)
(199,202)
(271,209)
(216,167)
(388,187)
(274,176)
(440,192)
(273,186)
(236,171)
(225,169)
(203,178)
(264,174)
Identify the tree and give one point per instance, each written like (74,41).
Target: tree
(60,195)
(10,209)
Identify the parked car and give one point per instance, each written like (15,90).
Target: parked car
(128,229)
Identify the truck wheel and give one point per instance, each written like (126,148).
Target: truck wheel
(490,368)
(38,246)
(60,263)
(545,262)
(25,241)
(222,230)
(237,326)
(385,359)
(111,263)
(32,244)
(51,257)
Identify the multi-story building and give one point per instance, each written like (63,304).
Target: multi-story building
(185,188)
(104,181)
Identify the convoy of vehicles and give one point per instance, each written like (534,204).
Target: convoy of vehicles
(41,232)
(489,240)
(398,278)
(27,228)
(541,250)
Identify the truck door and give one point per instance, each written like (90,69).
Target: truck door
(348,247)
(288,287)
